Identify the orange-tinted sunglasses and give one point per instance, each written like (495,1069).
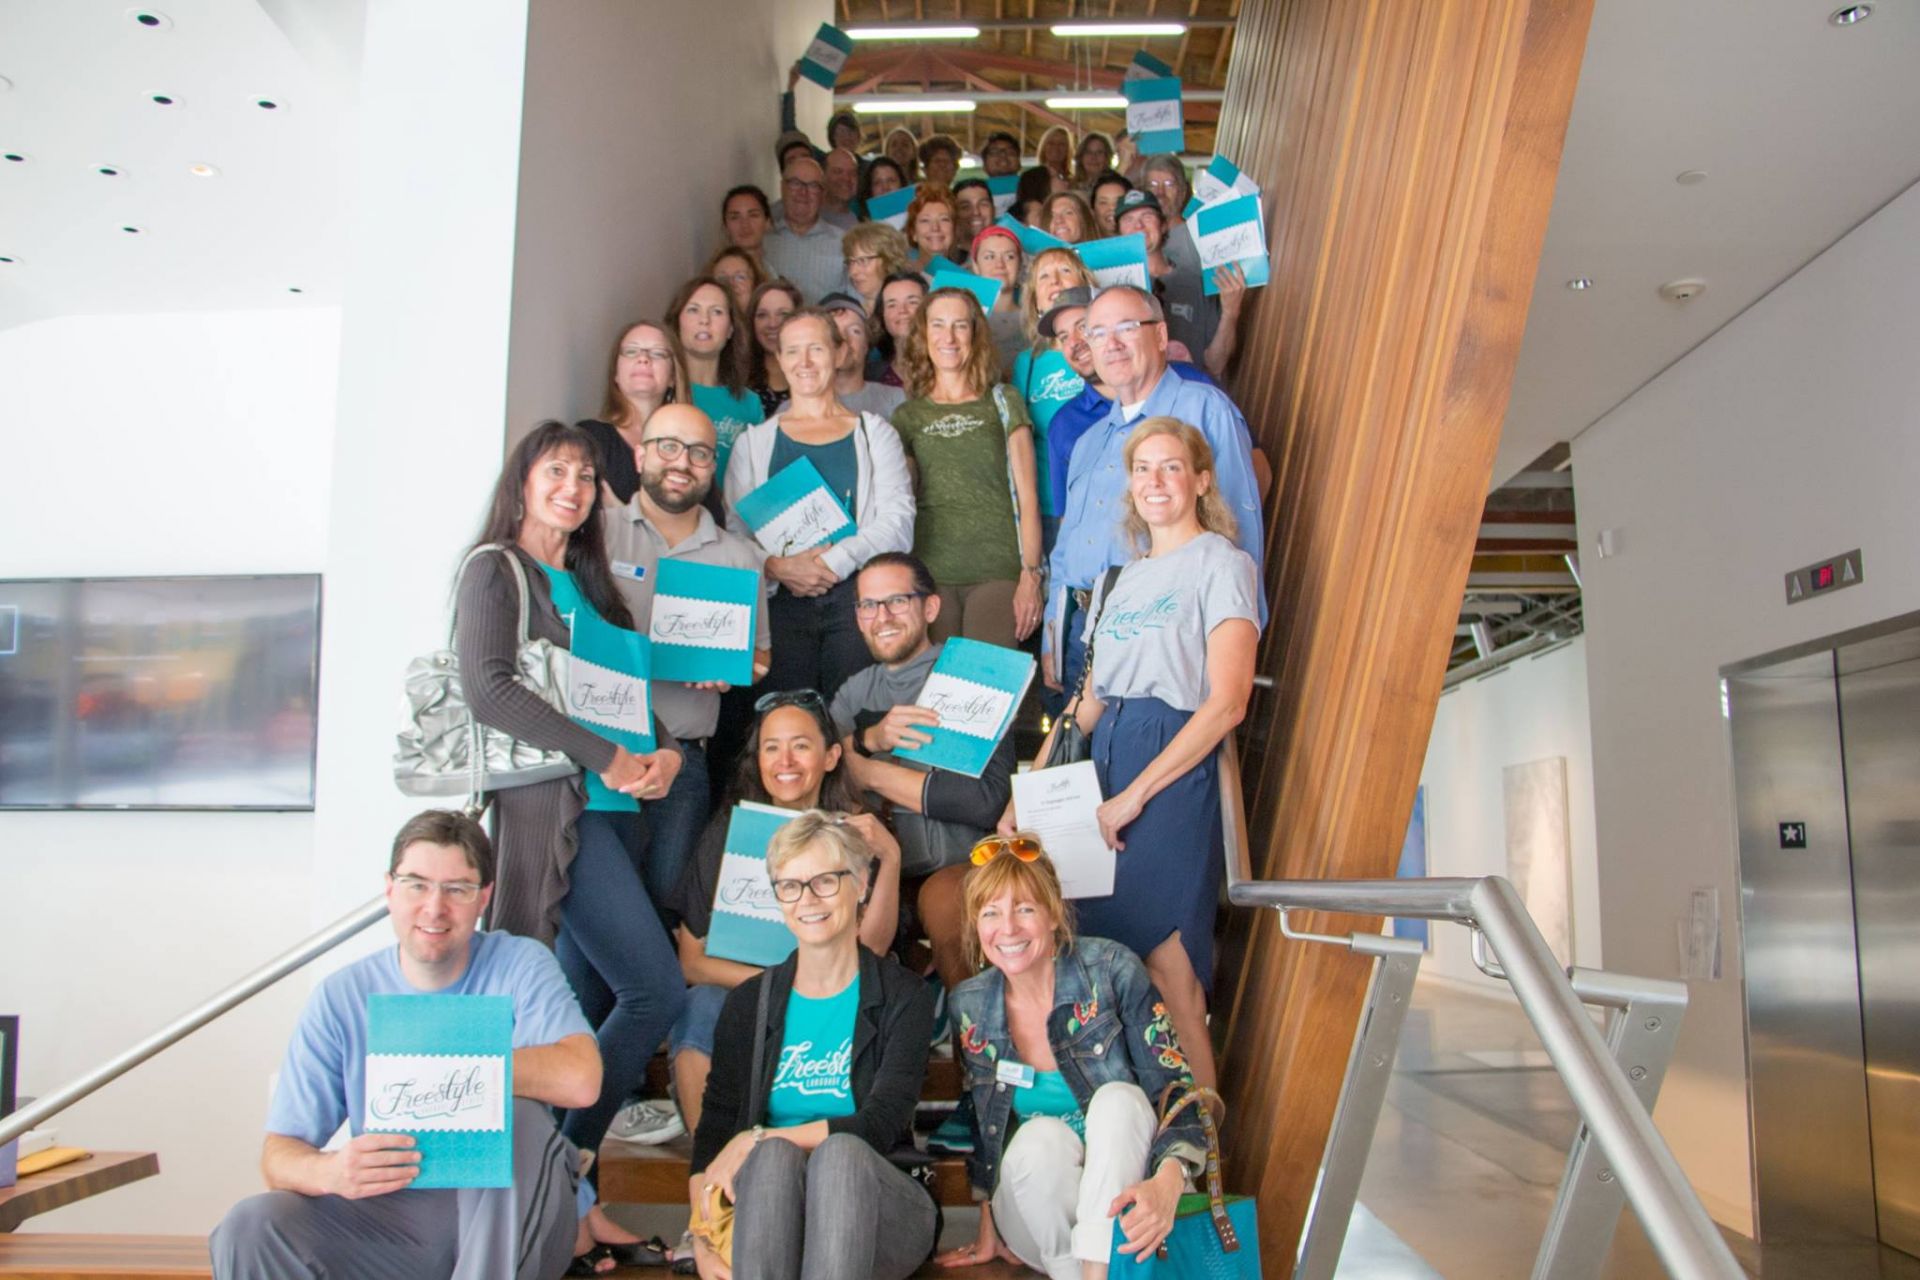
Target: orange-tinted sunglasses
(1024,847)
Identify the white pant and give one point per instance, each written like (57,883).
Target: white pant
(1051,1204)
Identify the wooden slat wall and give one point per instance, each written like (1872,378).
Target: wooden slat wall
(1408,150)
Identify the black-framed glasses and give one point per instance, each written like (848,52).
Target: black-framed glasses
(419,889)
(895,605)
(810,699)
(824,885)
(671,447)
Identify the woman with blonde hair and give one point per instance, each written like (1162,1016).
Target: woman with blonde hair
(647,369)
(1094,158)
(1069,217)
(817,1068)
(1041,373)
(971,442)
(933,227)
(1066,1047)
(740,271)
(873,251)
(1172,644)
(1052,270)
(1055,153)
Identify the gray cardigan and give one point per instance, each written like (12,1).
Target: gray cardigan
(533,827)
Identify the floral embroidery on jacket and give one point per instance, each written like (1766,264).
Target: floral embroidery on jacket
(1083,1012)
(973,1039)
(1159,1038)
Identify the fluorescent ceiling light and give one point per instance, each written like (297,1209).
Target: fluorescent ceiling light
(912,33)
(1088,102)
(893,106)
(1119,28)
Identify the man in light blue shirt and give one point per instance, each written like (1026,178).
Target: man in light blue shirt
(802,246)
(1128,333)
(350,1211)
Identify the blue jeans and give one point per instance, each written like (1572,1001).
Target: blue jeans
(674,823)
(622,966)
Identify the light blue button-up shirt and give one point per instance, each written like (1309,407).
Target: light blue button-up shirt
(1091,538)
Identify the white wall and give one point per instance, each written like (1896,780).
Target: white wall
(1533,709)
(137,445)
(1791,435)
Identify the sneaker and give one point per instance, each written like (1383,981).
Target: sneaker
(647,1124)
(954,1137)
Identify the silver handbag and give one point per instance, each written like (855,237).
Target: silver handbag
(444,751)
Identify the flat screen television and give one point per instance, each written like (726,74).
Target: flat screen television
(159,693)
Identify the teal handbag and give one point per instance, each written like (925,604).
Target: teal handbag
(1214,1237)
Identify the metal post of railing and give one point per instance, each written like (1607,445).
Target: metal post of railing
(41,1109)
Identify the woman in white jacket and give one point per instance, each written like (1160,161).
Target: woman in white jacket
(817,644)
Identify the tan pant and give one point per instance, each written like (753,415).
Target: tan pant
(982,611)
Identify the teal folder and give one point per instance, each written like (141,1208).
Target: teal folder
(747,925)
(977,688)
(795,510)
(441,1069)
(703,622)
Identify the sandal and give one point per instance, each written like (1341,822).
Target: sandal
(651,1252)
(588,1263)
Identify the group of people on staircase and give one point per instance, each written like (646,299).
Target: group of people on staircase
(1060,472)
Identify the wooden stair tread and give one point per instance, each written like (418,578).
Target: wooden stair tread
(632,1174)
(65,1184)
(55,1256)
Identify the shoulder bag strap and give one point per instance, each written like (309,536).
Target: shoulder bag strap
(759,1043)
(519,577)
(1000,390)
(1195,1097)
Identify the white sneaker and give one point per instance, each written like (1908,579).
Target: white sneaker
(647,1124)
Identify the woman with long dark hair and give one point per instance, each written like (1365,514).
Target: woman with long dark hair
(567,848)
(647,369)
(719,349)
(881,177)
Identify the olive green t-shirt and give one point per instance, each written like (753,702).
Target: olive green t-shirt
(964,522)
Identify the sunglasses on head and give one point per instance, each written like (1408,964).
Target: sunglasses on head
(1022,846)
(808,699)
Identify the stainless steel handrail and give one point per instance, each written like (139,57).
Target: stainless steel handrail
(1675,1221)
(41,1109)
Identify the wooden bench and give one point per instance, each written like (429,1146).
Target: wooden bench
(53,1256)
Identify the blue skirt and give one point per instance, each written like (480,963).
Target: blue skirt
(1167,879)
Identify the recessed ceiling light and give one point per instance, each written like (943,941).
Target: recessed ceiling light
(108,170)
(1690,177)
(1580,284)
(164,99)
(1852,14)
(151,19)
(203,170)
(133,231)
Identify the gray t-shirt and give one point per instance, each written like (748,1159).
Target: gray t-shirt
(955,810)
(1192,316)
(1150,640)
(636,549)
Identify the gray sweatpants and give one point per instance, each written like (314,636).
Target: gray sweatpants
(525,1232)
(843,1212)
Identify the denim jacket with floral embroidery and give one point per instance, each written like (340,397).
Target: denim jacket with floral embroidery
(1108,1025)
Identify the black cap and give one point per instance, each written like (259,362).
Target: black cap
(843,302)
(1137,199)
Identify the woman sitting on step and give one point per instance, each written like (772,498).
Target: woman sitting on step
(817,1068)
(1067,1047)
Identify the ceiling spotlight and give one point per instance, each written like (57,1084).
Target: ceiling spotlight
(203,170)
(1851,15)
(1096,29)
(908,31)
(15,157)
(891,106)
(1690,177)
(107,170)
(1683,290)
(163,99)
(133,231)
(1580,284)
(294,288)
(266,104)
(1088,102)
(149,19)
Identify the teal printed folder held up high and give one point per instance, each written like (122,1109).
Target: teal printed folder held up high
(795,510)
(976,688)
(747,925)
(703,622)
(441,1069)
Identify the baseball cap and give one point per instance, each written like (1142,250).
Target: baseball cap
(1138,200)
(1066,300)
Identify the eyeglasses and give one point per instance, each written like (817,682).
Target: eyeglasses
(1123,330)
(1168,185)
(657,355)
(416,889)
(863,259)
(671,447)
(801,184)
(824,885)
(894,605)
(1020,845)
(810,699)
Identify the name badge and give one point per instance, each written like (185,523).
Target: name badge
(621,569)
(1017,1074)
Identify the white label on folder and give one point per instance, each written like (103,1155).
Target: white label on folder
(807,523)
(745,890)
(436,1091)
(601,695)
(966,707)
(830,56)
(1017,1074)
(1234,243)
(1127,273)
(1153,117)
(704,624)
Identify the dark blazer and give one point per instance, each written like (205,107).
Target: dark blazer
(891,1031)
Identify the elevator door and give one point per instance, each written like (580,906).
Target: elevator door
(1880,743)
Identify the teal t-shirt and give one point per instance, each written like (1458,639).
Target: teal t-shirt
(566,601)
(731,415)
(815,1079)
(1049,1095)
(1045,382)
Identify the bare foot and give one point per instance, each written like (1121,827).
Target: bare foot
(605,1230)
